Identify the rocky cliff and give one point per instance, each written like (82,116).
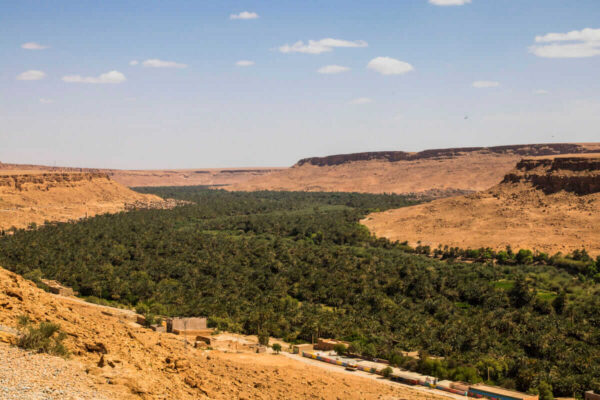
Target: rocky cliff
(394,156)
(28,181)
(580,175)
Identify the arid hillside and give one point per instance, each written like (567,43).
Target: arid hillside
(34,196)
(164,177)
(443,172)
(548,204)
(114,358)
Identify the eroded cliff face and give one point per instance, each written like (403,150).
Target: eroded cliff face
(394,156)
(28,197)
(580,175)
(36,181)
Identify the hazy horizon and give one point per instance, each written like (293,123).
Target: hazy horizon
(183,84)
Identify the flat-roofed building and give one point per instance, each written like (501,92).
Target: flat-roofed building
(188,326)
(496,393)
(591,395)
(329,344)
(299,348)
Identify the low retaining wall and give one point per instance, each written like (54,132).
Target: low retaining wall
(393,377)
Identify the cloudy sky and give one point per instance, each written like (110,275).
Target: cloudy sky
(183,84)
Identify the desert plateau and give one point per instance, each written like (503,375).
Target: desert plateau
(433,173)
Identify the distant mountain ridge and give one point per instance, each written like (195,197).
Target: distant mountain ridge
(431,173)
(542,149)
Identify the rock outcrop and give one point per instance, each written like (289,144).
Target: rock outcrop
(580,175)
(25,181)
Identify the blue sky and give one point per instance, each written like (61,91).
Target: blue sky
(403,75)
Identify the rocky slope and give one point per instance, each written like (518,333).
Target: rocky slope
(548,204)
(440,172)
(115,358)
(37,196)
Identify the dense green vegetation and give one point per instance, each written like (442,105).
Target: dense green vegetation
(299,265)
(578,262)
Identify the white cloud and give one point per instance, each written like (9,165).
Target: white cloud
(541,92)
(576,50)
(31,75)
(389,66)
(133,62)
(584,35)
(244,63)
(156,63)
(332,69)
(449,2)
(585,43)
(485,84)
(46,101)
(109,77)
(361,100)
(33,46)
(320,46)
(244,15)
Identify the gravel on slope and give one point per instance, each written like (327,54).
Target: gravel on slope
(29,376)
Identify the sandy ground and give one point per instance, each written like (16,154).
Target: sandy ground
(510,214)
